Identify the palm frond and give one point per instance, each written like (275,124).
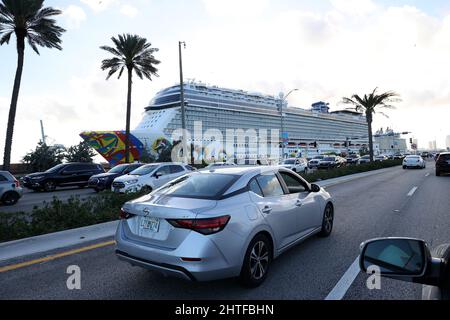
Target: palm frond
(29,19)
(134,53)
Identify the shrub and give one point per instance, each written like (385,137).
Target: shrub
(319,175)
(58,215)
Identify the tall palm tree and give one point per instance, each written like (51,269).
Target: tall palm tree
(131,52)
(26,19)
(369,104)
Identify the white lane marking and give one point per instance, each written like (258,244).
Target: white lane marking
(345,282)
(427,175)
(410,194)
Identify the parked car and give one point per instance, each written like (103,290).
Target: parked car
(10,189)
(314,162)
(103,181)
(398,156)
(149,177)
(330,162)
(443,163)
(410,260)
(381,158)
(364,159)
(231,222)
(414,162)
(62,175)
(353,158)
(299,165)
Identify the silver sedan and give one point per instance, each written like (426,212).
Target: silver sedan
(221,223)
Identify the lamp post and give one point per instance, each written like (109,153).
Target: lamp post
(183,107)
(282,100)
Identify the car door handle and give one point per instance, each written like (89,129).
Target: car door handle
(267,210)
(298,203)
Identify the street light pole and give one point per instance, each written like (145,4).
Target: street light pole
(183,107)
(282,100)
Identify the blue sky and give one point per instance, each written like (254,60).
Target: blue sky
(328,49)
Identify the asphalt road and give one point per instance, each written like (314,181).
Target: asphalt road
(31,198)
(366,208)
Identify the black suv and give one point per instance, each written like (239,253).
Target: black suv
(443,163)
(103,181)
(62,175)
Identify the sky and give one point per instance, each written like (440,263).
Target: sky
(327,49)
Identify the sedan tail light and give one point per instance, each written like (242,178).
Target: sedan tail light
(203,226)
(16,182)
(125,215)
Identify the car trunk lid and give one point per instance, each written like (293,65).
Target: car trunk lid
(148,223)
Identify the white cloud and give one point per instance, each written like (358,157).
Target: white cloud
(354,7)
(74,16)
(128,10)
(100,5)
(235,8)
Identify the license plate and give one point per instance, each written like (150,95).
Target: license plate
(151,224)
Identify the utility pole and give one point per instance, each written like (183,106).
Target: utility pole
(282,100)
(183,107)
(42,132)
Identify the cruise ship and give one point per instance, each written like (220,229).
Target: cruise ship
(307,132)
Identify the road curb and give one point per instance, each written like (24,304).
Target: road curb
(62,239)
(28,246)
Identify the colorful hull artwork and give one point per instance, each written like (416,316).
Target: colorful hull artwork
(111,145)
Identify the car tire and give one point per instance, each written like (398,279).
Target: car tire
(49,186)
(404,167)
(327,221)
(257,260)
(10,198)
(438,173)
(97,190)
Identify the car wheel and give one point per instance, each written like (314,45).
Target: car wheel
(49,186)
(10,198)
(438,173)
(327,221)
(256,262)
(97,190)
(404,167)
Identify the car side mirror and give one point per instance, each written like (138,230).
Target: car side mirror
(402,259)
(158,174)
(396,256)
(315,188)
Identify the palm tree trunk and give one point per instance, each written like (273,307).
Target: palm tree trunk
(127,132)
(369,128)
(13,106)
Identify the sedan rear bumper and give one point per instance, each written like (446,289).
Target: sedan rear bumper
(213,264)
(166,269)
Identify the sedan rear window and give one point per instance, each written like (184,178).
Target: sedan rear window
(204,186)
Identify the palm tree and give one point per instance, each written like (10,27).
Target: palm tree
(26,19)
(369,104)
(133,53)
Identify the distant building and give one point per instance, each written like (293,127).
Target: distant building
(432,145)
